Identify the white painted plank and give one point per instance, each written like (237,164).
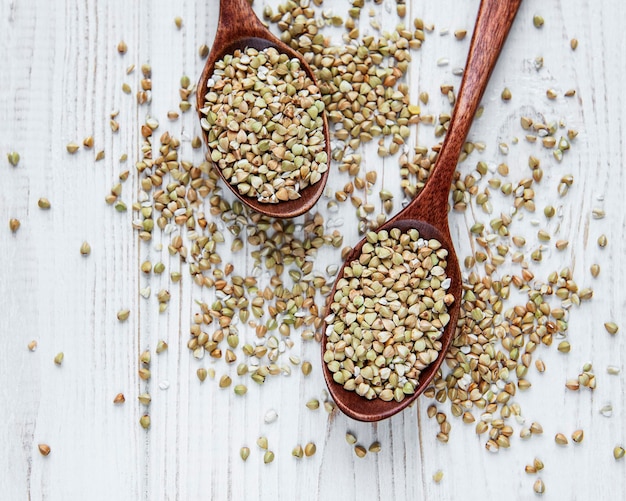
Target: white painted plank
(63,78)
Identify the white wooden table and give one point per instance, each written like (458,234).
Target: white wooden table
(62,77)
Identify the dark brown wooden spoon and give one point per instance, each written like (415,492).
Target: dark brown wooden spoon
(428,213)
(239,27)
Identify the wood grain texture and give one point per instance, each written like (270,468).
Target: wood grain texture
(493,22)
(60,81)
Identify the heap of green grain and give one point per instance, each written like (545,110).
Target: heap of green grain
(388,314)
(263,123)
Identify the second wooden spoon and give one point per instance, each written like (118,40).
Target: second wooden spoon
(428,213)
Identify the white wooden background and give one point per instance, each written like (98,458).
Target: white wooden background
(61,76)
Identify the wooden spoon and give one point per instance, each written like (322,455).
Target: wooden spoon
(239,27)
(428,213)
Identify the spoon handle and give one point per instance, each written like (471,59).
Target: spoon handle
(238,20)
(493,21)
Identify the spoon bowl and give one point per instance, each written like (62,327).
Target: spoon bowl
(239,28)
(360,408)
(428,212)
